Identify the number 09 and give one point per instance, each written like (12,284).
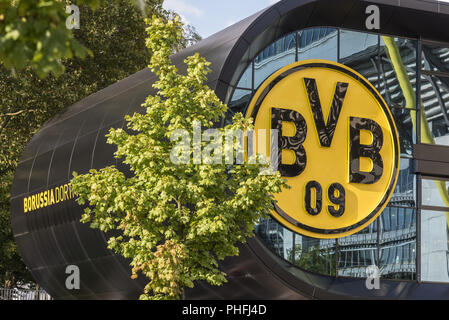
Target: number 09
(336,194)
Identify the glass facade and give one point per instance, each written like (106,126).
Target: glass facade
(434,246)
(418,212)
(277,55)
(434,93)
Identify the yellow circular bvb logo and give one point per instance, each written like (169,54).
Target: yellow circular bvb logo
(338,147)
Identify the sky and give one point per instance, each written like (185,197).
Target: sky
(210,16)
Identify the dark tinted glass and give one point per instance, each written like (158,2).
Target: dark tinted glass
(405,124)
(311,254)
(435,102)
(398,243)
(435,58)
(404,194)
(239,103)
(357,252)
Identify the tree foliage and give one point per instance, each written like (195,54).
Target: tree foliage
(12,269)
(176,221)
(116,34)
(34,33)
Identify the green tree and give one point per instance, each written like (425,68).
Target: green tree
(12,269)
(116,34)
(34,33)
(176,221)
(189,34)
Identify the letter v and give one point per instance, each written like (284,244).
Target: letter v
(325,130)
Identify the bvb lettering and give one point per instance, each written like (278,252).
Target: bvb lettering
(325,133)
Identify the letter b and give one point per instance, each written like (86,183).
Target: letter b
(294,143)
(357,150)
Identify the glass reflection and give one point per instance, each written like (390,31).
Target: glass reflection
(435,102)
(397,71)
(275,236)
(359,51)
(246,80)
(404,119)
(434,246)
(404,194)
(398,262)
(239,102)
(314,255)
(435,58)
(277,55)
(311,254)
(397,242)
(318,43)
(435,193)
(357,252)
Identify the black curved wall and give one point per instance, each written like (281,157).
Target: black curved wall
(52,238)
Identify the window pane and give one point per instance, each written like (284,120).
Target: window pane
(315,255)
(435,101)
(434,246)
(273,58)
(404,194)
(394,219)
(359,51)
(239,102)
(435,193)
(276,237)
(398,61)
(325,46)
(357,252)
(435,58)
(398,243)
(246,80)
(409,219)
(353,43)
(310,254)
(401,216)
(404,120)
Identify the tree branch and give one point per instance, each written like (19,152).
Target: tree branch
(12,114)
(8,117)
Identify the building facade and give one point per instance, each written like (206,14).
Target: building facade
(406,60)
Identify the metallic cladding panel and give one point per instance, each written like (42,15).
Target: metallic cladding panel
(52,237)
